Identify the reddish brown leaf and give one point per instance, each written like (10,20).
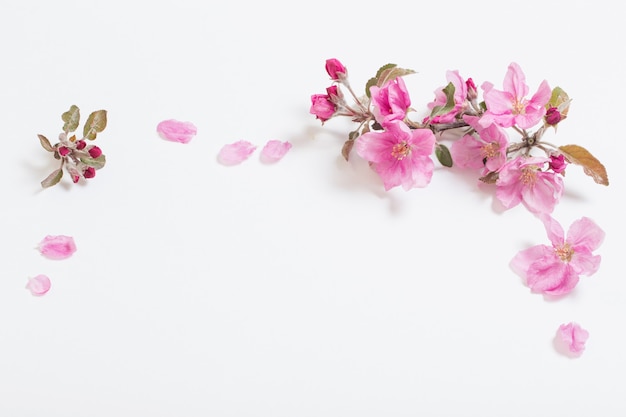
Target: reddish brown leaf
(591,166)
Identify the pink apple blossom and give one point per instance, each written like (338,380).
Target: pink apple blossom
(460,97)
(177,131)
(510,107)
(274,150)
(390,102)
(38,285)
(400,156)
(572,338)
(57,247)
(335,69)
(485,151)
(235,153)
(522,180)
(322,107)
(555,269)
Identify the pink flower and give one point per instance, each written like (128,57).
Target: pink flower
(336,69)
(38,285)
(177,131)
(274,150)
(556,269)
(391,101)
(57,247)
(558,163)
(400,156)
(510,107)
(521,180)
(460,96)
(322,107)
(571,338)
(236,152)
(485,151)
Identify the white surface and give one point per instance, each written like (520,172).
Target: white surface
(301,288)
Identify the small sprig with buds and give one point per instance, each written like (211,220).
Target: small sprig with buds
(79,158)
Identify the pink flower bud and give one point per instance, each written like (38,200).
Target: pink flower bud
(558,163)
(472,93)
(334,94)
(80,145)
(89,172)
(553,116)
(63,150)
(322,107)
(95,152)
(335,69)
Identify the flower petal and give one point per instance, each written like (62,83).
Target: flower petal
(236,152)
(38,285)
(572,338)
(57,247)
(274,150)
(177,131)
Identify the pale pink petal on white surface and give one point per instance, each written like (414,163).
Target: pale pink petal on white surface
(177,131)
(235,153)
(571,339)
(38,285)
(274,150)
(57,247)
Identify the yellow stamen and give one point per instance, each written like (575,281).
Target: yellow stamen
(401,151)
(564,252)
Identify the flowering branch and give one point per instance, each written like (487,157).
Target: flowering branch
(78,158)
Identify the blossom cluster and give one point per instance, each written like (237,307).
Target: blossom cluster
(78,157)
(529,171)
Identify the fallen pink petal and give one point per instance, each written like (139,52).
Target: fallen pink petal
(177,131)
(38,285)
(571,339)
(274,150)
(235,153)
(57,247)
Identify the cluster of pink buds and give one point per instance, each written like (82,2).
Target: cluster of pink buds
(78,157)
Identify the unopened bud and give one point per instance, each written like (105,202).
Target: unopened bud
(553,116)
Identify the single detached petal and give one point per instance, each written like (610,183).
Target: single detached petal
(235,153)
(177,131)
(274,150)
(572,338)
(57,247)
(38,285)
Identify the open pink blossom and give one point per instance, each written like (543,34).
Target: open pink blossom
(522,180)
(391,101)
(274,150)
(571,338)
(57,247)
(460,98)
(510,107)
(235,153)
(400,156)
(485,151)
(556,269)
(38,285)
(177,131)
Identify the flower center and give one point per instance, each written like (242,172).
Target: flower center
(518,107)
(490,150)
(564,252)
(401,150)
(528,176)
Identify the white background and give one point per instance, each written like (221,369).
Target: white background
(300,288)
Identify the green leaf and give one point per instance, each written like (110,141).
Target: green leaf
(71,119)
(443,155)
(45,143)
(53,178)
(96,122)
(560,100)
(347,148)
(591,166)
(371,82)
(97,163)
(384,68)
(385,74)
(449,106)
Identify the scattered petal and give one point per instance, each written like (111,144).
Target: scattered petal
(38,285)
(274,150)
(235,153)
(57,247)
(177,131)
(571,338)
